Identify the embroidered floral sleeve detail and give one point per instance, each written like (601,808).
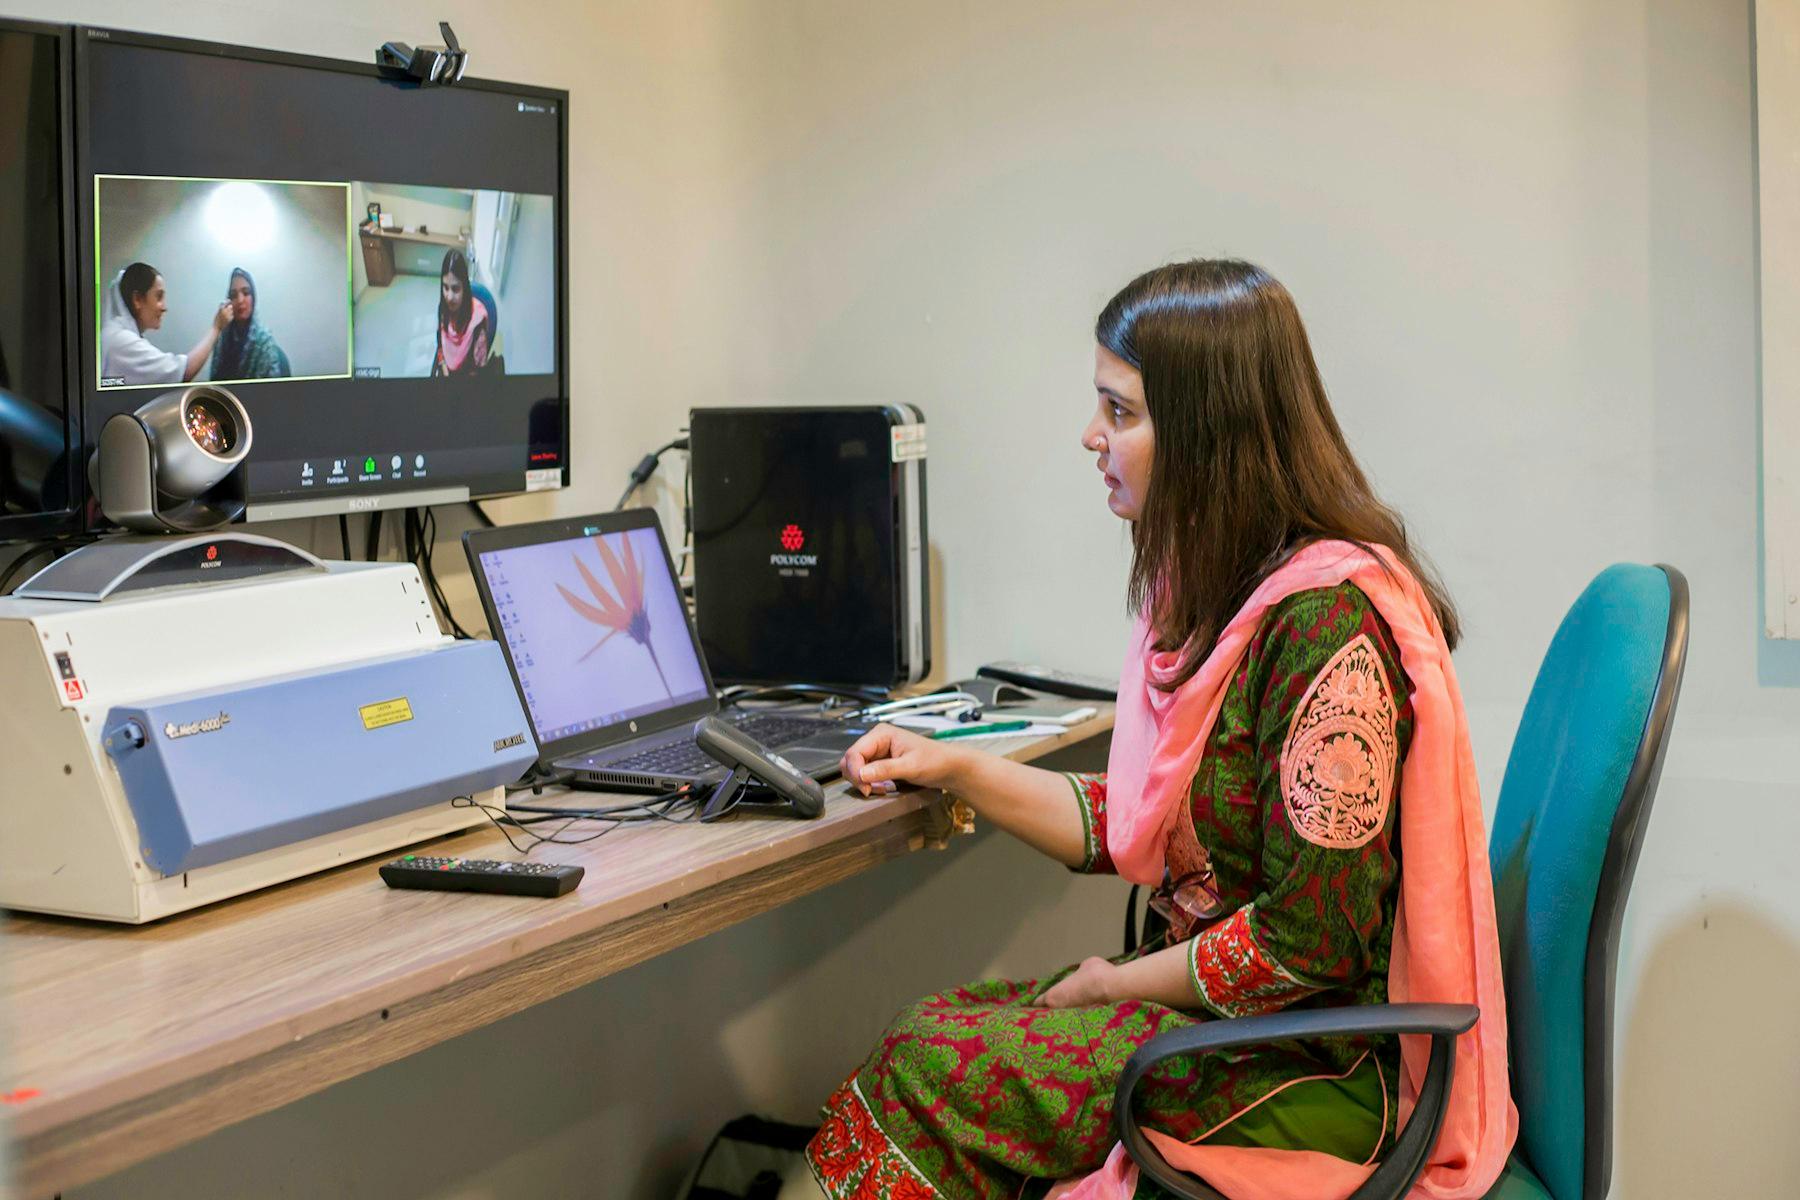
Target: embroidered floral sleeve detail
(1090,798)
(1338,762)
(1233,976)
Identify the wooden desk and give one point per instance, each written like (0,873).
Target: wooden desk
(378,248)
(138,1040)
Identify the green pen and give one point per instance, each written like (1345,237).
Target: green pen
(973,729)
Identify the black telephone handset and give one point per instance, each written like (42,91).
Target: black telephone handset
(749,759)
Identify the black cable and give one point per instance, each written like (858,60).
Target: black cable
(57,546)
(536,781)
(431,568)
(646,467)
(372,550)
(503,820)
(481,514)
(655,808)
(13,569)
(423,560)
(829,691)
(613,820)
(344,532)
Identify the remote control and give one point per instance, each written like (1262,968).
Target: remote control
(1049,679)
(481,875)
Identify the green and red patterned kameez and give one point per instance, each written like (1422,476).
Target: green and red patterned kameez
(1290,884)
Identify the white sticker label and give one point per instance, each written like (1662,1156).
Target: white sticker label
(908,442)
(546,480)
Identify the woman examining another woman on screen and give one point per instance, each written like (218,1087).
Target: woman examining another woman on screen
(464,324)
(246,349)
(135,304)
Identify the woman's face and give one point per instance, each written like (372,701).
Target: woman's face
(243,300)
(1120,434)
(151,305)
(453,292)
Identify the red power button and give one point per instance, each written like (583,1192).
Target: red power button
(72,688)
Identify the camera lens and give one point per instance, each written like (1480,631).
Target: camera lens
(210,426)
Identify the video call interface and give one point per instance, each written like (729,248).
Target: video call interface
(372,269)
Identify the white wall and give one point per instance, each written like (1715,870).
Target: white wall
(1778,210)
(527,295)
(1523,239)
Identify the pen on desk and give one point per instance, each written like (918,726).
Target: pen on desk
(988,727)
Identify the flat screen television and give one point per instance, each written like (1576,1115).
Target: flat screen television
(41,491)
(377,270)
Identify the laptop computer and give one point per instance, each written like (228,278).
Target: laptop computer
(590,613)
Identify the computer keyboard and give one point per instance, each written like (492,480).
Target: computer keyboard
(677,758)
(773,730)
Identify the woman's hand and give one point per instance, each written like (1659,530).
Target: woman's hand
(1093,982)
(222,318)
(885,756)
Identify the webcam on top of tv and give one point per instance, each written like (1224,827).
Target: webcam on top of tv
(425,65)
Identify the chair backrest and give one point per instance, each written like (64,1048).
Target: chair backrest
(481,293)
(1567,830)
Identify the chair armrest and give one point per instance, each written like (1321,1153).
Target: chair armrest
(1396,1173)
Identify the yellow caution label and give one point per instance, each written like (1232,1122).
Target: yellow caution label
(388,712)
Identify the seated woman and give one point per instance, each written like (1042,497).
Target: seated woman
(462,329)
(1290,671)
(134,304)
(246,349)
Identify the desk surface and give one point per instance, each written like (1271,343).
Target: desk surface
(127,1042)
(413,235)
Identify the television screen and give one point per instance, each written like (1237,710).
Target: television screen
(40,492)
(375,269)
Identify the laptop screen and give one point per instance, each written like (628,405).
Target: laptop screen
(596,629)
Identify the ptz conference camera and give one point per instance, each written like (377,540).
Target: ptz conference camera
(425,65)
(176,465)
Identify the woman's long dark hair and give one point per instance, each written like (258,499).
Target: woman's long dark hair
(1249,463)
(457,264)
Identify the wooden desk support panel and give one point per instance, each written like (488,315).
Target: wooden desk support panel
(139,1040)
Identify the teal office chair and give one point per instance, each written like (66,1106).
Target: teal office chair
(1567,832)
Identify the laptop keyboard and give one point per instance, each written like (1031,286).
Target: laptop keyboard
(773,730)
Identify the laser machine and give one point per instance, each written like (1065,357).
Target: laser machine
(192,718)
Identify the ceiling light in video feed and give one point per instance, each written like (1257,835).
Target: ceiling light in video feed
(241,216)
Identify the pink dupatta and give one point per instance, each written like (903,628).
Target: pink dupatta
(456,348)
(1446,943)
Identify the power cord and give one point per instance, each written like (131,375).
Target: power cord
(537,779)
(58,546)
(646,467)
(827,692)
(421,539)
(656,808)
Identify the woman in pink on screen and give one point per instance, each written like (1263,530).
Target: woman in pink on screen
(464,326)
(1289,769)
